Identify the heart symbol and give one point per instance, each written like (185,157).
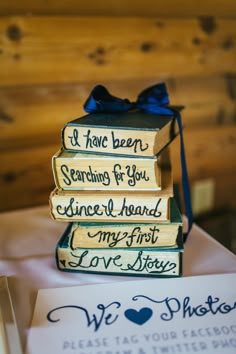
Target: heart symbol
(63,262)
(139,317)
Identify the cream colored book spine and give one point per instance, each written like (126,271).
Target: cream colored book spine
(124,235)
(77,171)
(131,133)
(133,262)
(87,206)
(105,140)
(115,206)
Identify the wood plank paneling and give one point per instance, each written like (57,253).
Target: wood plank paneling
(210,151)
(30,116)
(150,8)
(59,49)
(26,175)
(53,53)
(225,191)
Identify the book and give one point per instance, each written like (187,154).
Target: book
(115,206)
(145,261)
(131,133)
(128,235)
(78,171)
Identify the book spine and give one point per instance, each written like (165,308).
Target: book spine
(106,140)
(117,208)
(170,130)
(54,170)
(136,262)
(126,236)
(106,174)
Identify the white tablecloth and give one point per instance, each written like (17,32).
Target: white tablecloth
(27,256)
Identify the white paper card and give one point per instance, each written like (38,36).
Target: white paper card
(157,316)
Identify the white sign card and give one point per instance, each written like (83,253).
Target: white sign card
(157,316)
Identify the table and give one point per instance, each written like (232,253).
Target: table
(27,256)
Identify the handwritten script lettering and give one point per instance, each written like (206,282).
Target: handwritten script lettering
(166,309)
(107,140)
(136,236)
(103,318)
(138,262)
(75,209)
(74,138)
(173,306)
(95,141)
(130,209)
(84,260)
(136,144)
(131,173)
(128,175)
(71,175)
(149,264)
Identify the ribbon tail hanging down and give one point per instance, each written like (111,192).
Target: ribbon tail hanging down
(185,179)
(153,100)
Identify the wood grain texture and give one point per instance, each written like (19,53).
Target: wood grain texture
(209,152)
(53,53)
(59,49)
(150,8)
(30,116)
(25,177)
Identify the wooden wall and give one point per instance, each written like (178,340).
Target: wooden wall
(53,53)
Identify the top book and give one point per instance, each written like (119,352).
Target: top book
(132,133)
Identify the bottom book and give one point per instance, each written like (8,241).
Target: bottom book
(153,261)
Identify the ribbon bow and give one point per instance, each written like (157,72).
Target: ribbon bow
(153,100)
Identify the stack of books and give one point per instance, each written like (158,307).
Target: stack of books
(114,188)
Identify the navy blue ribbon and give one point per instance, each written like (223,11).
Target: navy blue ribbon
(153,100)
